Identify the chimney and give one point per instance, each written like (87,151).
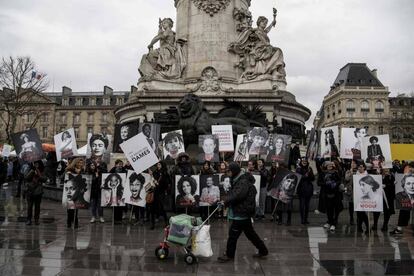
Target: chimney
(66,91)
(134,89)
(374,72)
(108,90)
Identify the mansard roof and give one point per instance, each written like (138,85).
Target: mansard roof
(357,74)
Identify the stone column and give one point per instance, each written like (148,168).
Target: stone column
(209,29)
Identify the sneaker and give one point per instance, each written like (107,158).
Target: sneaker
(317,212)
(93,220)
(259,255)
(332,228)
(224,259)
(101,220)
(326,225)
(396,231)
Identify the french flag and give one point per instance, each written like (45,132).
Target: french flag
(36,75)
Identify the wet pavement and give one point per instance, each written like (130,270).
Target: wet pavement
(105,249)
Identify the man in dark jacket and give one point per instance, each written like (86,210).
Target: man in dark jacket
(241,201)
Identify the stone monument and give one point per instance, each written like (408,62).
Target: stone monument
(219,54)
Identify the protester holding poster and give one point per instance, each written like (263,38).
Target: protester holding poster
(208,148)
(173,144)
(388,201)
(187,191)
(95,172)
(368,193)
(333,195)
(76,167)
(305,189)
(34,183)
(162,189)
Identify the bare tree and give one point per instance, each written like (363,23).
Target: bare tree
(21,85)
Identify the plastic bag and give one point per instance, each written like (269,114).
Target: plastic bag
(201,245)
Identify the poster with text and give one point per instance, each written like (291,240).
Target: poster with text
(99,147)
(28,145)
(225,136)
(210,191)
(124,132)
(208,148)
(65,144)
(258,141)
(139,153)
(329,142)
(152,133)
(376,150)
(284,185)
(351,142)
(368,193)
(112,189)
(76,191)
(242,151)
(172,144)
(279,148)
(187,191)
(134,192)
(404,191)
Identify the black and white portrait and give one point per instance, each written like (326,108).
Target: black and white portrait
(279,148)
(208,148)
(258,141)
(404,191)
(76,191)
(124,132)
(28,145)
(112,189)
(99,147)
(242,151)
(351,142)
(224,184)
(173,144)
(284,185)
(152,133)
(377,151)
(187,190)
(368,193)
(134,192)
(329,142)
(210,191)
(65,143)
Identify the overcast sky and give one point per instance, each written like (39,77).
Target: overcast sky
(86,44)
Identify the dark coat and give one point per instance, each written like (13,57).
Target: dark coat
(389,190)
(305,187)
(242,196)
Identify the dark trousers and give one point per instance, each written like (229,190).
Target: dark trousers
(72,217)
(362,218)
(33,201)
(118,212)
(96,208)
(376,218)
(139,213)
(304,208)
(236,228)
(151,212)
(159,208)
(280,216)
(351,211)
(332,210)
(404,217)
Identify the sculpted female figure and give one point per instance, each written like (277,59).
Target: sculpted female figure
(168,61)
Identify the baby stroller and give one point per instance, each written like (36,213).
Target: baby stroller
(181,231)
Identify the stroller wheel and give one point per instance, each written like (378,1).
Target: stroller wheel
(189,258)
(161,252)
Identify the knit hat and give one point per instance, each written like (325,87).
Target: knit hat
(234,168)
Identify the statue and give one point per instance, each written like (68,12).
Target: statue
(167,62)
(257,56)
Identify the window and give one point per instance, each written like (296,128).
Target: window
(62,129)
(65,101)
(380,130)
(76,118)
(44,132)
(394,115)
(78,102)
(92,101)
(106,101)
(379,106)
(76,132)
(45,117)
(394,132)
(104,117)
(364,106)
(350,106)
(90,129)
(90,117)
(63,118)
(104,130)
(365,114)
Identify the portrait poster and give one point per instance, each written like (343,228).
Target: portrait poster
(112,189)
(65,144)
(258,141)
(368,193)
(241,153)
(351,142)
(210,191)
(208,148)
(257,179)
(6,150)
(76,191)
(152,133)
(172,144)
(329,142)
(224,185)
(225,136)
(404,191)
(134,192)
(279,148)
(376,149)
(139,153)
(28,145)
(124,132)
(187,191)
(312,149)
(99,147)
(284,185)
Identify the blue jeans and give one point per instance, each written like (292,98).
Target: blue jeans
(96,208)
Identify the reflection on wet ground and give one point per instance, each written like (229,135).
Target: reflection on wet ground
(104,249)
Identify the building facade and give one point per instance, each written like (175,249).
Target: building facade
(402,119)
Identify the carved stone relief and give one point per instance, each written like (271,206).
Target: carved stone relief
(211,7)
